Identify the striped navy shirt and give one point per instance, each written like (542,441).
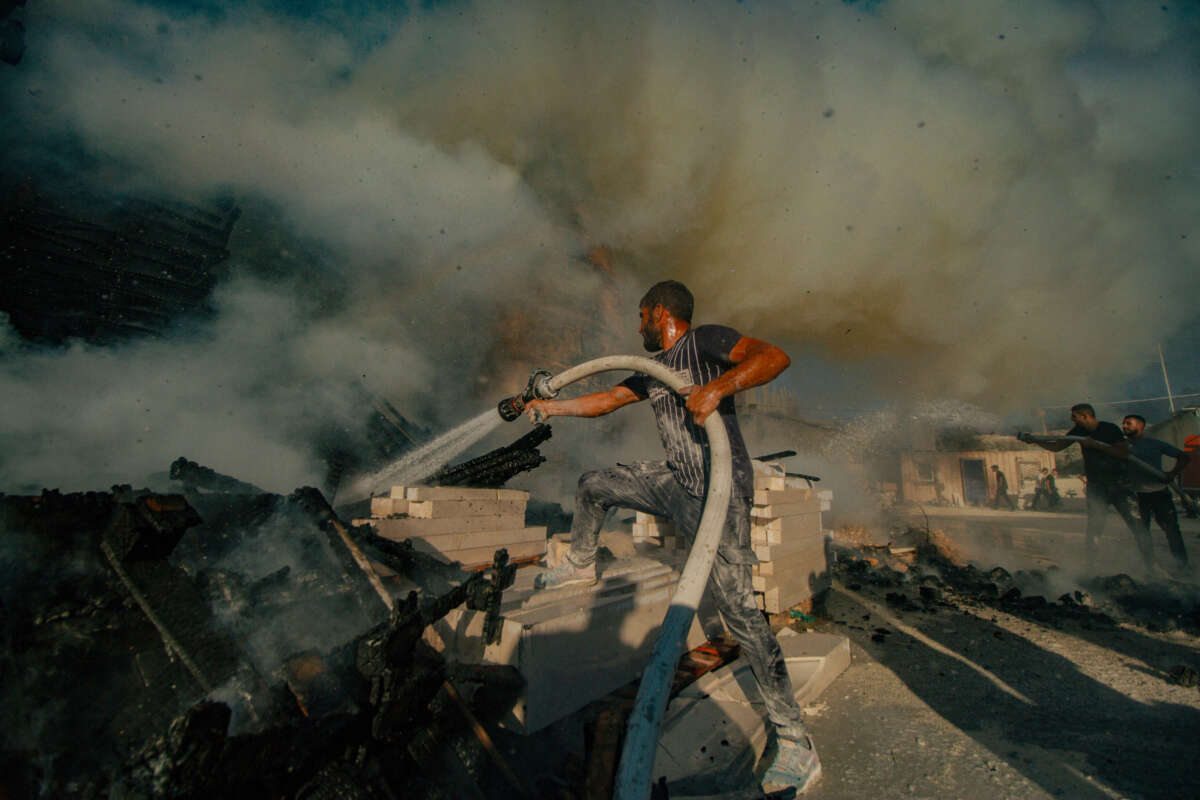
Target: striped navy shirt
(698,356)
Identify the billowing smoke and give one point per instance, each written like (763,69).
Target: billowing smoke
(994,201)
(991,193)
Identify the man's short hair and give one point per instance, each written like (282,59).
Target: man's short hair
(671,295)
(1083,407)
(1138,417)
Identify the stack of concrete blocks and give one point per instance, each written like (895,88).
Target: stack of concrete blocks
(457,524)
(571,645)
(787,537)
(657,530)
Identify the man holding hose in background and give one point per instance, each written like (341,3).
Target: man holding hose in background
(718,362)
(1153,497)
(1105,453)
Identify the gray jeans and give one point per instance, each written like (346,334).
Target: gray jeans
(649,486)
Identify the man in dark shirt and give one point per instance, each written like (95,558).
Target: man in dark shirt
(1105,453)
(718,362)
(1153,497)
(1001,490)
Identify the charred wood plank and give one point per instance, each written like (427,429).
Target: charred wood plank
(492,470)
(195,476)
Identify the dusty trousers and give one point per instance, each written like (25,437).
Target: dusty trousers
(650,487)
(1160,506)
(1099,498)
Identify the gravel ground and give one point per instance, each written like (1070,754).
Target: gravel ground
(962,698)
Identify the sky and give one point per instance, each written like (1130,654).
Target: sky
(989,203)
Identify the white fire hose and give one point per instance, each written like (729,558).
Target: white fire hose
(1154,472)
(641,737)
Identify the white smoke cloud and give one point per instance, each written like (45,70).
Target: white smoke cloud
(987,200)
(240,396)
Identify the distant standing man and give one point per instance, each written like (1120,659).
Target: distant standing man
(1001,490)
(1105,453)
(719,362)
(1153,497)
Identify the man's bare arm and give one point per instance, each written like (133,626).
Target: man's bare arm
(589,405)
(1181,462)
(755,362)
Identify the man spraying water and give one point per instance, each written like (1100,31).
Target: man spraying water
(718,362)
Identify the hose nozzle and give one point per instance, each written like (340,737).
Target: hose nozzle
(538,387)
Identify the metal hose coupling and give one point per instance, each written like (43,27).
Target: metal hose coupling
(538,388)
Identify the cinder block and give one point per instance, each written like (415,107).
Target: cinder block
(386,506)
(776,510)
(782,596)
(716,727)
(769,476)
(484,555)
(767,497)
(796,539)
(437,509)
(573,645)
(792,578)
(781,529)
(398,529)
(423,493)
(452,542)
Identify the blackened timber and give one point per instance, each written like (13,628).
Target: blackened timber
(313,503)
(316,687)
(139,536)
(195,476)
(117,714)
(492,470)
(481,591)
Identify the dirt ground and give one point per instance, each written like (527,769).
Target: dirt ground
(966,695)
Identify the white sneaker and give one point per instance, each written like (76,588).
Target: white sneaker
(566,574)
(795,766)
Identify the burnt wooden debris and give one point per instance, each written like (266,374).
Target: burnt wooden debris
(223,644)
(194,476)
(492,470)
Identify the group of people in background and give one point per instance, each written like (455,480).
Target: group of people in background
(1115,480)
(1046,490)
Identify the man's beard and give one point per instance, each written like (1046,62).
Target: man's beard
(652,339)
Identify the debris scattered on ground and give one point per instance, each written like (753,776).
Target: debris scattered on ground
(235,645)
(928,569)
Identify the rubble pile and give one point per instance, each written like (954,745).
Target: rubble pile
(921,570)
(493,469)
(233,645)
